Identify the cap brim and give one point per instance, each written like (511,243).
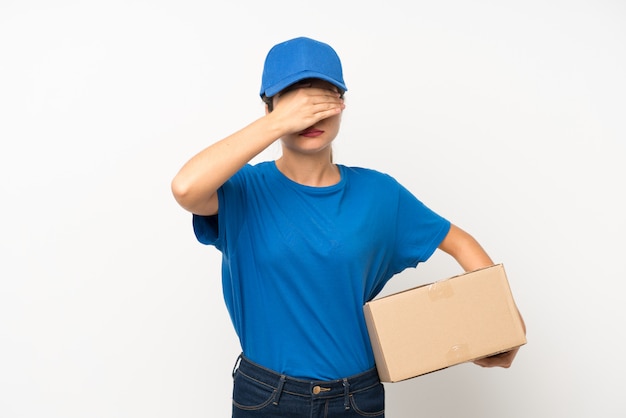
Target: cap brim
(294,78)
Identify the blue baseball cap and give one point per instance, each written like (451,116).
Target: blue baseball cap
(297,59)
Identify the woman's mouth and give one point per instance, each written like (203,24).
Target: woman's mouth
(311,132)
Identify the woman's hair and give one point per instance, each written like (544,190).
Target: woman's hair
(269,101)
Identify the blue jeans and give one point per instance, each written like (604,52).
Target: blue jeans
(260,392)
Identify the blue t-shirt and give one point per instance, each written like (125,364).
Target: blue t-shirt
(299,263)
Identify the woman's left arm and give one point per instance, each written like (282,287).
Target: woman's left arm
(471,256)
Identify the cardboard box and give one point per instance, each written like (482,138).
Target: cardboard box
(452,321)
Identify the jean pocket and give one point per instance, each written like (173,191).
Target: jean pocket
(369,402)
(250,394)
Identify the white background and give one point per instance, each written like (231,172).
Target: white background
(506,117)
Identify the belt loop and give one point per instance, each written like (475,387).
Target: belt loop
(237,363)
(279,390)
(346,394)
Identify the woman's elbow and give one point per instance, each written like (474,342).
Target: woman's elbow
(192,199)
(180,189)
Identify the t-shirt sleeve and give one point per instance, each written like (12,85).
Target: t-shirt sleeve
(206,228)
(214,229)
(419,231)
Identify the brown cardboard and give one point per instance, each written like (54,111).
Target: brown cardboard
(448,322)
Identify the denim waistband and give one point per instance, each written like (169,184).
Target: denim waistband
(319,389)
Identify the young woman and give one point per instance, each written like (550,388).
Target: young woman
(306,242)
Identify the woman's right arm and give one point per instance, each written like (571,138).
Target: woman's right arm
(196,184)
